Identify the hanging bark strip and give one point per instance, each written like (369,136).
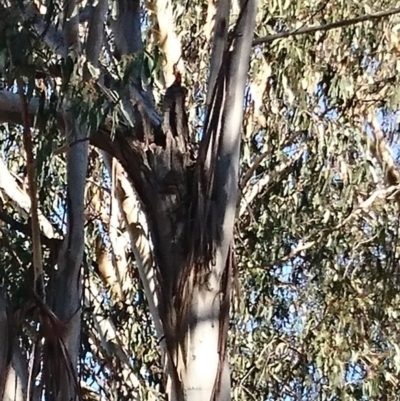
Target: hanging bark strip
(30,166)
(202,246)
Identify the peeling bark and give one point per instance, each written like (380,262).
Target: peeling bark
(117,242)
(107,270)
(162,175)
(166,37)
(210,305)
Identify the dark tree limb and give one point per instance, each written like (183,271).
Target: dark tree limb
(26,230)
(326,27)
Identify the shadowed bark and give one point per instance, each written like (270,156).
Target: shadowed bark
(4,343)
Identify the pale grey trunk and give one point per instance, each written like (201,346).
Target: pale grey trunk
(204,333)
(13,369)
(67,284)
(4,342)
(203,351)
(17,377)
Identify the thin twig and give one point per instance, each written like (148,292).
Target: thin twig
(378,194)
(326,27)
(262,156)
(254,167)
(385,193)
(30,167)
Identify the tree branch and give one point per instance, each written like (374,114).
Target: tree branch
(25,229)
(71,26)
(326,27)
(10,108)
(110,340)
(95,36)
(19,197)
(227,166)
(258,160)
(218,45)
(253,191)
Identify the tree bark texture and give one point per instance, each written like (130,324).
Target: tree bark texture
(176,190)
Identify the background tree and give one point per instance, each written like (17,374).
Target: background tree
(316,234)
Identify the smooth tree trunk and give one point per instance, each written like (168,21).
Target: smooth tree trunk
(194,287)
(209,320)
(13,368)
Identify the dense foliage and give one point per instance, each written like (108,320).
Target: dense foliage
(316,306)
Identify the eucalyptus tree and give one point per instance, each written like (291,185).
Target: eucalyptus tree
(91,64)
